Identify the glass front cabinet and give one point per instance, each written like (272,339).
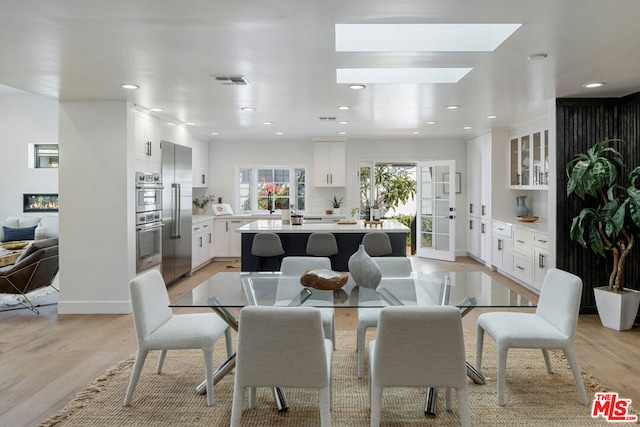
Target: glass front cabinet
(529,161)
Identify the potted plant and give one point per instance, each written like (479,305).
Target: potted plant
(202,203)
(609,225)
(335,204)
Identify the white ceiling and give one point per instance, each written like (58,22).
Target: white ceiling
(84,50)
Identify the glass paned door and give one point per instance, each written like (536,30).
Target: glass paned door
(436,210)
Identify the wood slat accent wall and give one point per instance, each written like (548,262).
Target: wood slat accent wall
(580,124)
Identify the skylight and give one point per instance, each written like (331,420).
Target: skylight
(421,37)
(400,75)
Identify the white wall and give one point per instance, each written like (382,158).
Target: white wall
(25,119)
(225,156)
(97,239)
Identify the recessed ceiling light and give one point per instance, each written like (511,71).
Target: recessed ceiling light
(467,127)
(267,123)
(344,122)
(593,85)
(421,37)
(155,109)
(431,122)
(415,132)
(190,123)
(357,87)
(537,56)
(130,86)
(344,107)
(452,107)
(214,133)
(492,116)
(401,75)
(342,133)
(279,133)
(248,109)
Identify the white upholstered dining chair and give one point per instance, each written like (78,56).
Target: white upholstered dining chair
(157,328)
(296,266)
(552,326)
(282,347)
(368,317)
(419,347)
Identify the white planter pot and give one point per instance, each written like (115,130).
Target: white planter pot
(336,210)
(617,310)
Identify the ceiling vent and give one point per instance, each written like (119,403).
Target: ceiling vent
(232,80)
(328,119)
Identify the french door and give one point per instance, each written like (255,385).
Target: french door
(435,222)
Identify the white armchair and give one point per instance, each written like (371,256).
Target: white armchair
(552,326)
(368,317)
(157,328)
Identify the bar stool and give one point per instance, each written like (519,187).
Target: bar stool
(377,244)
(322,244)
(267,245)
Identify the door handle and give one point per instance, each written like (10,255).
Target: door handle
(203,178)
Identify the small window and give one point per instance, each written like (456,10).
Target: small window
(45,155)
(267,189)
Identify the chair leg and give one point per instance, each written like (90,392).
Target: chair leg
(135,375)
(236,406)
(447,399)
(324,397)
(502,368)
(479,345)
(259,267)
(228,341)
(547,361)
(376,405)
(360,344)
(570,354)
(163,354)
(252,397)
(464,408)
(208,369)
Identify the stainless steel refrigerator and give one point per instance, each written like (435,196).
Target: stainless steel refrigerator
(176,211)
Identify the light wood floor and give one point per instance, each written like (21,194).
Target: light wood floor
(45,360)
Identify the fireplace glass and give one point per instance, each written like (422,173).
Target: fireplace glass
(40,203)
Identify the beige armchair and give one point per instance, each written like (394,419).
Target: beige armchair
(35,268)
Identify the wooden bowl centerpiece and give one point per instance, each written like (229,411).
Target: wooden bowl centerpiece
(323,279)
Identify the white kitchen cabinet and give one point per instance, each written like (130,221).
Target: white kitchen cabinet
(202,244)
(485,241)
(227,241)
(329,163)
(529,161)
(473,237)
(200,156)
(147,143)
(501,252)
(540,260)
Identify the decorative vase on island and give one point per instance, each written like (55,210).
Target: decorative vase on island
(199,211)
(521,208)
(364,270)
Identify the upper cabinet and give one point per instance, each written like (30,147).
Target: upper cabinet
(329,163)
(529,161)
(147,143)
(200,155)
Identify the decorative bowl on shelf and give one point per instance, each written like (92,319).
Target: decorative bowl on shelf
(528,218)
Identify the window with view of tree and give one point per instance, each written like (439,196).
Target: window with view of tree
(267,189)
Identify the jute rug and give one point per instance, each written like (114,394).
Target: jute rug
(533,397)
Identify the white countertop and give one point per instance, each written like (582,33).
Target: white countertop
(276,226)
(538,226)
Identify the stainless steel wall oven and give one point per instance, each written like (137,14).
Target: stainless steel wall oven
(148,220)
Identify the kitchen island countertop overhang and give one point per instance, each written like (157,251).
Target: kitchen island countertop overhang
(294,239)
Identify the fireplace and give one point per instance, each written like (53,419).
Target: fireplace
(40,202)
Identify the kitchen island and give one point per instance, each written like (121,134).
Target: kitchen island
(294,239)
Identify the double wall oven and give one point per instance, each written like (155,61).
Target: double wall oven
(148,220)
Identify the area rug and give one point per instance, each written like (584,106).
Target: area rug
(533,397)
(17,301)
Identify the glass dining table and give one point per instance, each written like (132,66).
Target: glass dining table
(227,292)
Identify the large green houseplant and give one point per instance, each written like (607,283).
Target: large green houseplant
(610,222)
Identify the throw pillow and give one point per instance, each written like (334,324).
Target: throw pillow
(16,234)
